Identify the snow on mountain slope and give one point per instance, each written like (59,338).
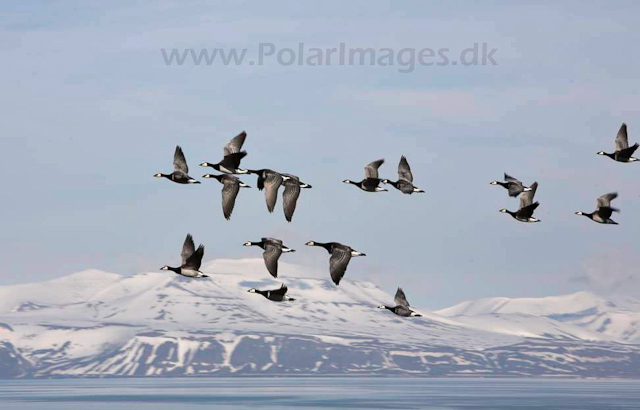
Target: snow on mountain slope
(160,324)
(591,317)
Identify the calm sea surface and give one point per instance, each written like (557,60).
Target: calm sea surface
(319,393)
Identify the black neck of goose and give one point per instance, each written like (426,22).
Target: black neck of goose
(512,213)
(588,215)
(262,292)
(391,308)
(612,155)
(256,171)
(503,184)
(327,246)
(176,270)
(393,183)
(260,244)
(168,176)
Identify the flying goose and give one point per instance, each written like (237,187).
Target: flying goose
(402,307)
(191,260)
(340,257)
(271,180)
(230,163)
(527,206)
(273,248)
(180,170)
(292,188)
(405,179)
(512,185)
(371,181)
(623,151)
(276,295)
(604,210)
(230,191)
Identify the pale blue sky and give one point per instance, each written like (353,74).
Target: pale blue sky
(91,112)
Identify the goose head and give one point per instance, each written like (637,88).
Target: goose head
(493,183)
(310,243)
(251,290)
(205,164)
(247,244)
(579,213)
(158,175)
(382,307)
(504,211)
(348,181)
(601,153)
(164,268)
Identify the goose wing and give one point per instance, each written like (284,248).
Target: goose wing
(622,141)
(404,170)
(400,298)
(526,198)
(290,198)
(271,255)
(271,184)
(605,200)
(509,178)
(527,211)
(229,193)
(188,248)
(275,241)
(235,145)
(281,292)
(371,170)
(338,264)
(179,161)
(195,260)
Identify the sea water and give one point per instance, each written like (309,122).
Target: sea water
(319,393)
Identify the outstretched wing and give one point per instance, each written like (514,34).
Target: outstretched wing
(281,292)
(229,194)
(509,178)
(272,184)
(235,145)
(404,170)
(338,264)
(605,200)
(290,198)
(527,211)
(179,161)
(371,170)
(622,141)
(526,198)
(188,248)
(271,255)
(400,298)
(195,260)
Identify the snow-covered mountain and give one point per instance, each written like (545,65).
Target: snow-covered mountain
(100,324)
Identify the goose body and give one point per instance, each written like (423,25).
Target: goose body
(402,307)
(230,163)
(273,249)
(527,206)
(276,295)
(191,260)
(231,188)
(405,179)
(340,257)
(604,210)
(292,189)
(512,185)
(623,152)
(270,181)
(371,181)
(180,174)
